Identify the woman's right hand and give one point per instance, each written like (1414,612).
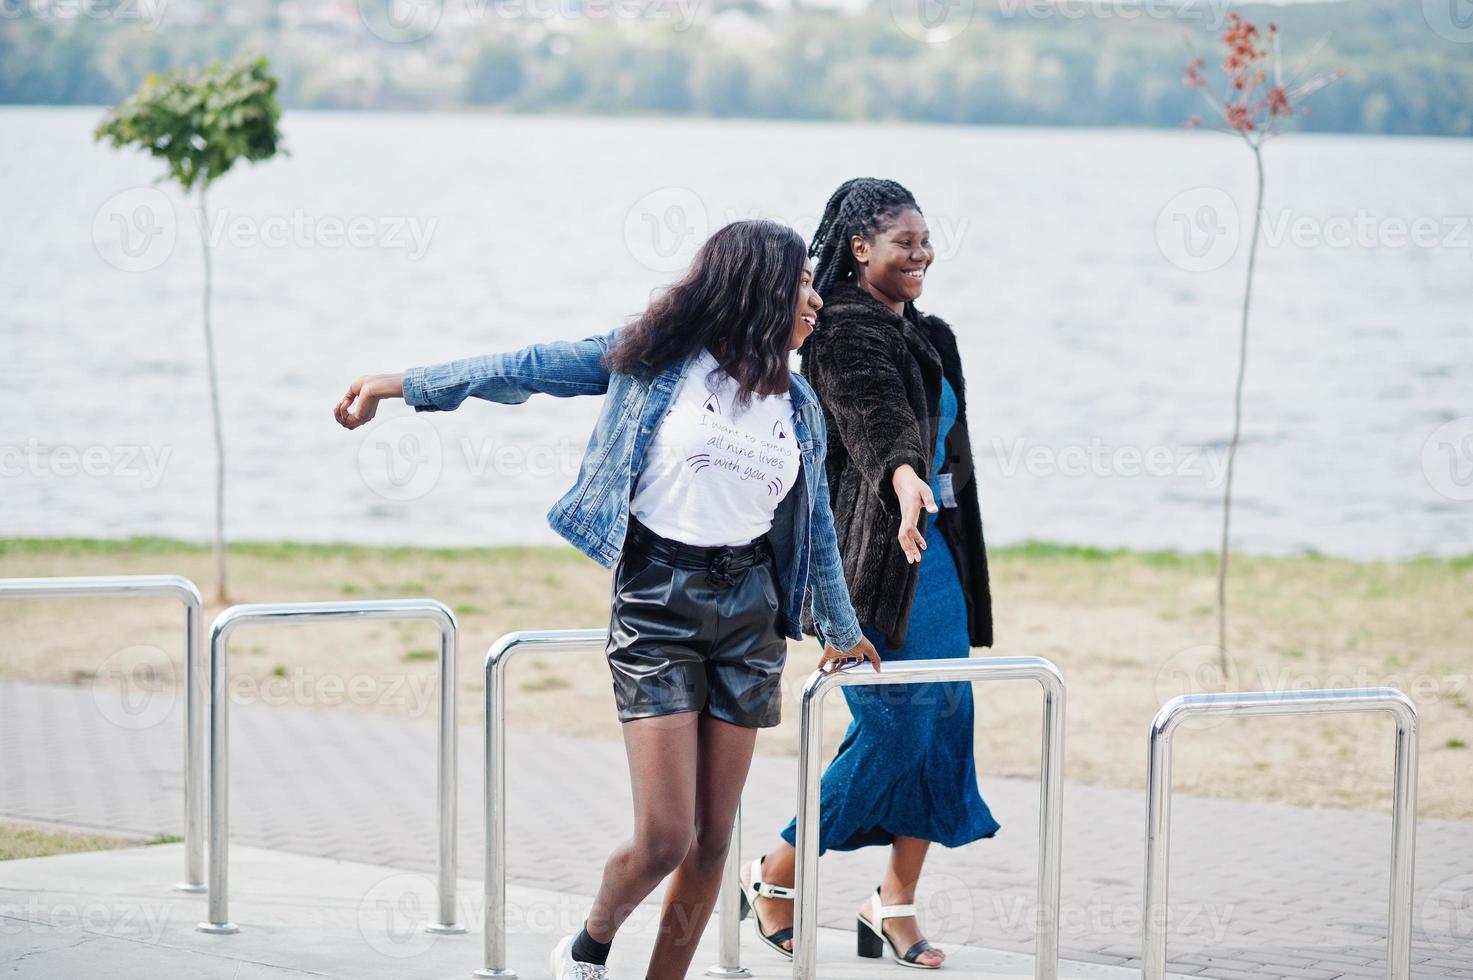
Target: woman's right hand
(913,494)
(368,390)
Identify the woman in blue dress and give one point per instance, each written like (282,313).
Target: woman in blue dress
(890,381)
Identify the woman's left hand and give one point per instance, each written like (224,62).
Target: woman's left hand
(833,658)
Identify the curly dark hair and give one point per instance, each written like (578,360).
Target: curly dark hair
(739,299)
(863,206)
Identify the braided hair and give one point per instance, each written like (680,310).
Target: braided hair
(863,206)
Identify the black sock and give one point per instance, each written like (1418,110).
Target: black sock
(586,949)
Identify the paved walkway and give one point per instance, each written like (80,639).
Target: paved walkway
(1258,890)
(306,918)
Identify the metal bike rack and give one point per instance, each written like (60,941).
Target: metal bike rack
(171,586)
(327,612)
(498,658)
(1051,785)
(1238,704)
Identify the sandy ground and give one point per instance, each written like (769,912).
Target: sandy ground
(1127,630)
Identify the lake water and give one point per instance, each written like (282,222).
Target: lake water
(1093,277)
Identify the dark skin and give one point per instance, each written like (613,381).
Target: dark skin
(892,268)
(686,769)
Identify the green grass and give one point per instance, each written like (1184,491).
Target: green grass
(421,655)
(274,550)
(1030,551)
(19,841)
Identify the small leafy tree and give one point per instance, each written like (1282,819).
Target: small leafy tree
(200,122)
(1250,106)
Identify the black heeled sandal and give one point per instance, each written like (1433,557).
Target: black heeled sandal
(750,892)
(872,939)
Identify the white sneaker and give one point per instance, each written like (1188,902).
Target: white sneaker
(564,967)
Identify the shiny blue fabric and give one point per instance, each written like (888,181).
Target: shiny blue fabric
(905,766)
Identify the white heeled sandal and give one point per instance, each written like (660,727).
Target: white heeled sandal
(750,892)
(872,940)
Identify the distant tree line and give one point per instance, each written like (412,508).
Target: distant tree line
(1014,62)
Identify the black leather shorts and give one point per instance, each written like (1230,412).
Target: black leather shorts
(696,629)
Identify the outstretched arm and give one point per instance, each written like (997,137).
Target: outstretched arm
(560,368)
(856,379)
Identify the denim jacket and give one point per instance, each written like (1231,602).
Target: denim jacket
(594,514)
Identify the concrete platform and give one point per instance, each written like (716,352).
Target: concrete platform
(112,914)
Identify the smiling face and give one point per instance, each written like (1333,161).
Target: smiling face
(809,303)
(892,266)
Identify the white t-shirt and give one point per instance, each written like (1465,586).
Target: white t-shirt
(714,473)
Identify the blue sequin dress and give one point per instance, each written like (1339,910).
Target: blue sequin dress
(905,766)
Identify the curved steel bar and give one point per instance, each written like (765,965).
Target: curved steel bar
(1239,704)
(1051,785)
(327,612)
(182,589)
(498,658)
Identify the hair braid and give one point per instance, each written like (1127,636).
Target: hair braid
(862,206)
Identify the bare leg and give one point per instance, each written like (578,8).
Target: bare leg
(907,856)
(662,775)
(725,755)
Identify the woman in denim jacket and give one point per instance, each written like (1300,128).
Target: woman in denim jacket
(703,486)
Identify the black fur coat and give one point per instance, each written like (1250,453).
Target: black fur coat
(878,376)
